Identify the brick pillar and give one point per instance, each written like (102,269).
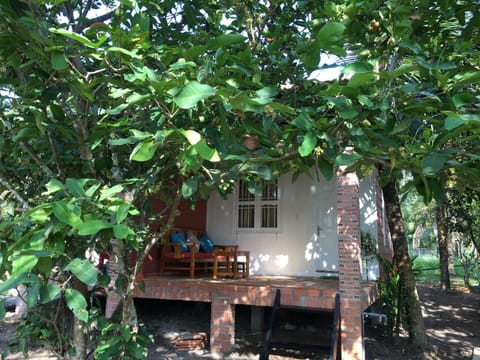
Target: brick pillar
(222,326)
(348,231)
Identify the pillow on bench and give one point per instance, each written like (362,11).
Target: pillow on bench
(191,238)
(206,245)
(179,238)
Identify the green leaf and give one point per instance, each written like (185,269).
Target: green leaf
(108,192)
(92,190)
(33,294)
(38,253)
(348,113)
(242,101)
(192,136)
(413,46)
(80,38)
(125,332)
(122,231)
(48,292)
(357,67)
(53,186)
(44,264)
(346,159)
(58,61)
(122,212)
(463,99)
(267,92)
(83,271)
(206,152)
(191,163)
(92,226)
(144,151)
(23,263)
(225,40)
(136,98)
(365,101)
(433,163)
(401,70)
(116,49)
(117,93)
(66,214)
(190,187)
(435,65)
(57,112)
(194,52)
(401,126)
(75,187)
(464,79)
(25,133)
(308,144)
(326,168)
(262,170)
(13,281)
(453,122)
(361,79)
(330,35)
(303,121)
(77,304)
(118,109)
(282,108)
(192,93)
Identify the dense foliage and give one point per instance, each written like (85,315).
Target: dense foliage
(106,103)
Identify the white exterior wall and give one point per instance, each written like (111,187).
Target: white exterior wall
(369,222)
(306,239)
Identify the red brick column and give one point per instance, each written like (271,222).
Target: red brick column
(222,326)
(348,231)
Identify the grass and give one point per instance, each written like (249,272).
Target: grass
(427,271)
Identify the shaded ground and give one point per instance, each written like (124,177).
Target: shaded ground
(452,322)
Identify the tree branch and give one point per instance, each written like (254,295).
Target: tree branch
(55,154)
(5,183)
(87,22)
(35,158)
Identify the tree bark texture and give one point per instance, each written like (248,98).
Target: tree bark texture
(442,239)
(409,300)
(79,336)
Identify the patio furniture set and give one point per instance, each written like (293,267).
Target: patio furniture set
(191,250)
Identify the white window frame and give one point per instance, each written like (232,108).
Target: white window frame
(257,202)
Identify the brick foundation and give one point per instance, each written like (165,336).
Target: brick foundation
(348,229)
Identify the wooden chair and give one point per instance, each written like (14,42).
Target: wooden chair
(225,261)
(243,263)
(230,262)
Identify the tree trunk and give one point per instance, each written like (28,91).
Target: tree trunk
(409,300)
(79,336)
(442,239)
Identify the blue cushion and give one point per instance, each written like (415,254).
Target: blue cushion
(179,238)
(206,245)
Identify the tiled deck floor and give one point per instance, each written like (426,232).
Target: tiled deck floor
(306,292)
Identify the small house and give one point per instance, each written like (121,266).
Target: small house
(302,237)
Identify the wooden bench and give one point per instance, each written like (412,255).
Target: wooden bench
(222,260)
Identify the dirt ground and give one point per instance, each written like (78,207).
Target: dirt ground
(452,322)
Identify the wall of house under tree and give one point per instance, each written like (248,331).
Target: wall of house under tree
(369,222)
(305,239)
